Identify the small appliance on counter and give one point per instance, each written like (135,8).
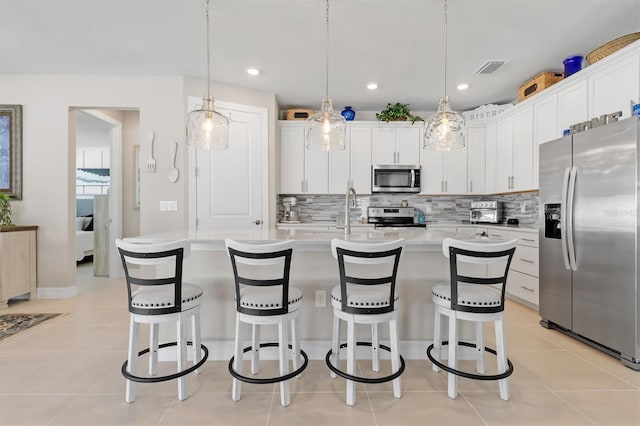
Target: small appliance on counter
(392,216)
(290,215)
(486,211)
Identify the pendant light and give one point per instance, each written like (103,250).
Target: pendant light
(326,130)
(445,128)
(206,127)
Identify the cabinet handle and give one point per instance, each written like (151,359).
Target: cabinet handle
(397,157)
(528,239)
(441,186)
(527,288)
(470,186)
(302,186)
(527,261)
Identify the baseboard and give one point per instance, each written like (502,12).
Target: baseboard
(57,292)
(316,350)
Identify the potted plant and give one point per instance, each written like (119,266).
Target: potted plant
(397,112)
(5,210)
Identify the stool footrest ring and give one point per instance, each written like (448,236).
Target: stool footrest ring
(368,380)
(466,374)
(156,379)
(268,380)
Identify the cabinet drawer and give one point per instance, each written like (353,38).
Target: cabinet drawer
(523,286)
(498,234)
(525,238)
(525,260)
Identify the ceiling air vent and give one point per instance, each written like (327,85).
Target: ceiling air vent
(490,67)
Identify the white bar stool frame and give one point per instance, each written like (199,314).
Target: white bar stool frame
(377,304)
(155,302)
(472,299)
(256,307)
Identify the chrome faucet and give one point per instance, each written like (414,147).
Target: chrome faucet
(347,208)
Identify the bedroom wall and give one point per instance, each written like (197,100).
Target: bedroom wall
(49,154)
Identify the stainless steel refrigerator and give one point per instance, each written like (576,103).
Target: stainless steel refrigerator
(589,237)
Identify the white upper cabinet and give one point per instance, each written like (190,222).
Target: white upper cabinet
(476,164)
(572,104)
(491,152)
(545,128)
(444,172)
(301,170)
(360,159)
(616,86)
(396,144)
(514,157)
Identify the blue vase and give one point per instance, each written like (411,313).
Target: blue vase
(348,113)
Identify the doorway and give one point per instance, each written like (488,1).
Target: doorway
(104,141)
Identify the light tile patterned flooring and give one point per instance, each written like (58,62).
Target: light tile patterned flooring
(66,371)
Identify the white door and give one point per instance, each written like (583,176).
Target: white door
(230,184)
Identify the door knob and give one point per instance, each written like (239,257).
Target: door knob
(257,222)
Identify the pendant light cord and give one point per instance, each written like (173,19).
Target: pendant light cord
(208,57)
(327,51)
(446,39)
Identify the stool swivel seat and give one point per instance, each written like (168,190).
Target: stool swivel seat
(366,295)
(476,298)
(157,294)
(263,297)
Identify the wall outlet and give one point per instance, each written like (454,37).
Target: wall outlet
(321,298)
(523,207)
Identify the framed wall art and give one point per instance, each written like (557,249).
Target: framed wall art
(11,150)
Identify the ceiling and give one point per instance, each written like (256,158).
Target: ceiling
(397,44)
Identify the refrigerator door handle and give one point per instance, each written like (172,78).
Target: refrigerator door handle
(569,233)
(563,219)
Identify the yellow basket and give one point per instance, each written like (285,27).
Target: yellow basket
(610,47)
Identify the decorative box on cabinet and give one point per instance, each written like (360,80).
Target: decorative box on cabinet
(17,262)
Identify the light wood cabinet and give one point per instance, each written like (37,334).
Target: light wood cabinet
(17,262)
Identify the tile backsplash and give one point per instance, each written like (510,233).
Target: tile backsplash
(437,209)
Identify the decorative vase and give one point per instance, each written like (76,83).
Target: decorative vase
(348,113)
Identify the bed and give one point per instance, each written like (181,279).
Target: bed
(84,237)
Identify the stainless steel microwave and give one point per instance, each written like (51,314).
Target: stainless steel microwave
(395,178)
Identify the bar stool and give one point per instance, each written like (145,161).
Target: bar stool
(263,297)
(366,295)
(473,298)
(158,295)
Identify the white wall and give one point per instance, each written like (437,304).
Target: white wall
(130,137)
(49,152)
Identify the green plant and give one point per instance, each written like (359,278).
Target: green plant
(5,210)
(397,112)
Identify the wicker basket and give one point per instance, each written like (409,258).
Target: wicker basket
(610,47)
(537,84)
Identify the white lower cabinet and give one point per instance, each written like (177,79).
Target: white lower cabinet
(522,281)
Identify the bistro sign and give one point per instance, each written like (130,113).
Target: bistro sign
(485,112)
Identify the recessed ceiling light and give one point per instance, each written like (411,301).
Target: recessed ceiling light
(253,71)
(372,86)
(463,86)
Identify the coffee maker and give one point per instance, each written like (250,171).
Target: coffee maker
(290,215)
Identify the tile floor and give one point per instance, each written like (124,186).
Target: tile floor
(66,371)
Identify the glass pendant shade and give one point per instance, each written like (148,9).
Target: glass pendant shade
(445,129)
(326,130)
(207,128)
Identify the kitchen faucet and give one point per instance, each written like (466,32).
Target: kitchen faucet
(347,220)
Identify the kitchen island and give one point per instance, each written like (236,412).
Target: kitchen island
(313,270)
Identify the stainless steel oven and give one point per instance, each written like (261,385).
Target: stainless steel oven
(395,178)
(393,216)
